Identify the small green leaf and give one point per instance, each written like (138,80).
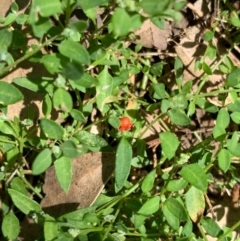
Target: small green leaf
(10,226)
(150,207)
(195,175)
(178,117)
(74,51)
(90,139)
(178,69)
(176,185)
(148,181)
(62,100)
(78,115)
(86,4)
(85,81)
(18,185)
(51,129)
(172,220)
(69,149)
(47,105)
(235,116)
(123,163)
(51,62)
(233,78)
(233,146)
(63,168)
(223,118)
(50,229)
(174,212)
(224,160)
(46,8)
(24,203)
(211,227)
(42,162)
(139,220)
(154,8)
(208,35)
(169,143)
(9,94)
(195,203)
(42,85)
(121,22)
(72,70)
(104,89)
(159,89)
(206,68)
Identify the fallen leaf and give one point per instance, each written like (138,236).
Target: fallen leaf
(90,173)
(152,36)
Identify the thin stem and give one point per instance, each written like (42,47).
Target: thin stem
(202,232)
(229,231)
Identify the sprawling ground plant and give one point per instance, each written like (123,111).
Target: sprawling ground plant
(88,54)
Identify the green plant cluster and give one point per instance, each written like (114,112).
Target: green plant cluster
(89,66)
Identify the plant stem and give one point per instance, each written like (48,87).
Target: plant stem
(229,231)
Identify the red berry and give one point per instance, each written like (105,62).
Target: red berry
(125,124)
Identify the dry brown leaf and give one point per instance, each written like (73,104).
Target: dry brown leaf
(152,36)
(90,173)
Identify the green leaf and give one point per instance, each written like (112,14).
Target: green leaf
(9,94)
(78,115)
(42,162)
(123,163)
(51,62)
(208,35)
(42,85)
(5,38)
(18,185)
(195,175)
(176,185)
(178,117)
(63,168)
(178,69)
(50,229)
(211,227)
(69,149)
(10,226)
(74,51)
(46,8)
(62,100)
(148,181)
(51,129)
(223,118)
(150,207)
(159,89)
(195,203)
(47,105)
(154,8)
(224,160)
(139,220)
(104,88)
(172,220)
(72,70)
(206,68)
(41,27)
(235,116)
(233,146)
(85,81)
(121,22)
(233,78)
(24,203)
(169,144)
(90,139)
(174,212)
(86,4)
